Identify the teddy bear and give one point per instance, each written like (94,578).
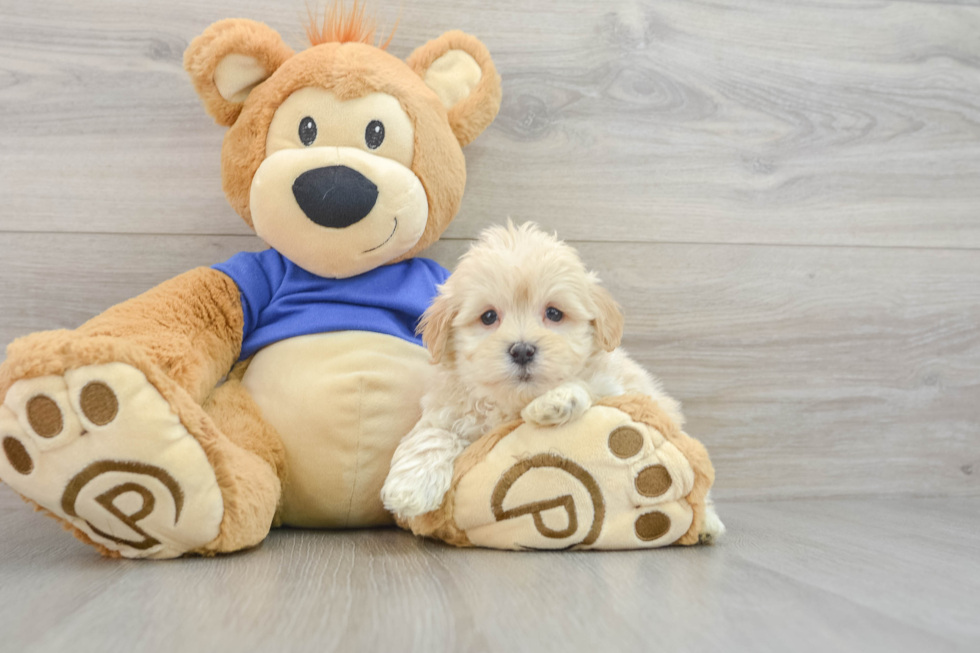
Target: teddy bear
(272,389)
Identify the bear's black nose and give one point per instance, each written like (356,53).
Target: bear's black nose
(335,196)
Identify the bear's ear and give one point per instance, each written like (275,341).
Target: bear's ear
(228,60)
(459,69)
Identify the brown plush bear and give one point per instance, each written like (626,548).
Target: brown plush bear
(273,388)
(347,161)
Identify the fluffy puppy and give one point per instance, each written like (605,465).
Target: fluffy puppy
(520,329)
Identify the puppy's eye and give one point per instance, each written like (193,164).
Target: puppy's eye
(374,135)
(307,131)
(489,317)
(554,314)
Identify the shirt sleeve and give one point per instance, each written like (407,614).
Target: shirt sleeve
(258,276)
(439,273)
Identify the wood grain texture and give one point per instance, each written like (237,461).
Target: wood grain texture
(806,371)
(819,576)
(748,121)
(783,196)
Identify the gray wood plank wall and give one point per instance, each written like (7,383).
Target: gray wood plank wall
(784,196)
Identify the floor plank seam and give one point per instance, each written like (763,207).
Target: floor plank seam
(583,241)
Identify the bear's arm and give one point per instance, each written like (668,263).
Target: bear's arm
(190,325)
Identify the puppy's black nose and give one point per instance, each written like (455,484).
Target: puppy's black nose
(522,353)
(335,196)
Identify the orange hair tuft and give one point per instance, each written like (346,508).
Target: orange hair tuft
(339,26)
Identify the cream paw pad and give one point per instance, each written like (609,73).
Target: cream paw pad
(101,449)
(621,477)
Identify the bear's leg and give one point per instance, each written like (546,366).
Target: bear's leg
(622,476)
(262,467)
(99,436)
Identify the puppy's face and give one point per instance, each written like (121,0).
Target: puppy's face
(520,315)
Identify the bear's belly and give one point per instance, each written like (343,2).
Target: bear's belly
(341,402)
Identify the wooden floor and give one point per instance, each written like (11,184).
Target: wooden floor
(785,196)
(821,575)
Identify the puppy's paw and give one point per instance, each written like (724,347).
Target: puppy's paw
(712,528)
(416,491)
(564,404)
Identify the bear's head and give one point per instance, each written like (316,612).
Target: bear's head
(343,157)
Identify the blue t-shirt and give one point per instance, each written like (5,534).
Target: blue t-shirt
(281,300)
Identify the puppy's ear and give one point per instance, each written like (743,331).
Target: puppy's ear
(436,324)
(608,323)
(459,69)
(228,60)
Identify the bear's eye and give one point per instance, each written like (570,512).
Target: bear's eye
(554,314)
(307,131)
(489,317)
(374,135)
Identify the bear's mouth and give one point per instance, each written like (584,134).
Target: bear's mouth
(393,230)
